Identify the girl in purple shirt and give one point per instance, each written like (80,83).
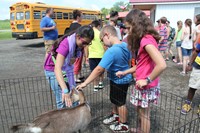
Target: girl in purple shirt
(65,51)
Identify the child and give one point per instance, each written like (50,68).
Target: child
(194,82)
(143,38)
(178,41)
(66,50)
(163,46)
(187,44)
(114,15)
(77,15)
(171,33)
(116,58)
(95,53)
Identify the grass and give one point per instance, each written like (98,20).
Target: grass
(5,35)
(4,24)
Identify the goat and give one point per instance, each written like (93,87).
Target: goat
(60,121)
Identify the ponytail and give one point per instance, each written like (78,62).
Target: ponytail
(190,37)
(189,23)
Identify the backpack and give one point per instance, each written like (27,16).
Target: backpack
(172,33)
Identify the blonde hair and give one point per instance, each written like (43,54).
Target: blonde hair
(110,29)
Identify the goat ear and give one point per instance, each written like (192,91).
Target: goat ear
(81,97)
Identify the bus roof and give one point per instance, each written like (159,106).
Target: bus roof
(39,4)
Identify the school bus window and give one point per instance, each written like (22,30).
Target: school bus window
(20,16)
(87,16)
(27,15)
(70,16)
(43,13)
(96,17)
(59,15)
(54,16)
(65,16)
(92,17)
(12,16)
(83,16)
(37,15)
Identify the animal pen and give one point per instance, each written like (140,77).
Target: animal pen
(21,100)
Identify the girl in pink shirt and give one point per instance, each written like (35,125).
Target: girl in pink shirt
(143,38)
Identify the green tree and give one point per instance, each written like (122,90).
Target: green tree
(105,11)
(116,6)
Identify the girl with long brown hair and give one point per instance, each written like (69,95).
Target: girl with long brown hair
(143,39)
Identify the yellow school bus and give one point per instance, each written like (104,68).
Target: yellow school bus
(25,18)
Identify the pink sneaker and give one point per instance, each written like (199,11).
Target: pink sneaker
(179,63)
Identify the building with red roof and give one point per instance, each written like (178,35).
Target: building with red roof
(174,10)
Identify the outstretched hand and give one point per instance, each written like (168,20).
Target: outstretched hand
(66,99)
(81,86)
(119,74)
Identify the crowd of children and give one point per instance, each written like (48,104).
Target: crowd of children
(138,51)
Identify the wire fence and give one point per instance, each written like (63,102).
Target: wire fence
(21,100)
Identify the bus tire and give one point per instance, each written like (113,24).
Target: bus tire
(66,31)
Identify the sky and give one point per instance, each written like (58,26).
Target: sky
(88,4)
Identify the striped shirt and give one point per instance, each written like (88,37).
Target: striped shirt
(163,33)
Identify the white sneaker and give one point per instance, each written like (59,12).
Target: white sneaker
(101,85)
(182,73)
(111,118)
(119,127)
(96,88)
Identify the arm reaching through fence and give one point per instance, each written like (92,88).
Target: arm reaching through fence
(95,73)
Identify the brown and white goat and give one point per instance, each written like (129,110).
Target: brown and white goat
(60,121)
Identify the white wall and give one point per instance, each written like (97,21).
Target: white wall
(152,13)
(175,13)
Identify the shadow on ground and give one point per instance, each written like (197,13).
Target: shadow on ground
(35,45)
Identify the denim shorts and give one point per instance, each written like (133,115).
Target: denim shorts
(186,52)
(178,43)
